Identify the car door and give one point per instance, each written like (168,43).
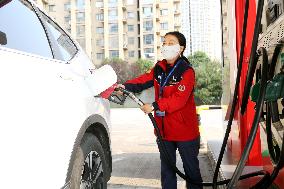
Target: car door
(41,94)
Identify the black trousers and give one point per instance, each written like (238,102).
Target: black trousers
(188,151)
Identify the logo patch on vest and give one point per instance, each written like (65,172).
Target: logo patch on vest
(173,83)
(181,88)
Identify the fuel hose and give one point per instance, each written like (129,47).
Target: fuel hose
(253,130)
(253,54)
(235,97)
(272,115)
(273,147)
(165,153)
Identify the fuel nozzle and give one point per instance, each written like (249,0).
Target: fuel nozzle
(117,98)
(130,95)
(124,91)
(112,95)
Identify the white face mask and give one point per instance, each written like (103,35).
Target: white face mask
(170,52)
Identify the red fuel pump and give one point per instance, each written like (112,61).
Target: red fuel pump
(269,38)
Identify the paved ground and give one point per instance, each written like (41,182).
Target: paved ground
(136,162)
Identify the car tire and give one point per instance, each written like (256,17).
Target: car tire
(88,174)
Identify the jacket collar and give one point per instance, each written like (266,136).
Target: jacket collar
(163,63)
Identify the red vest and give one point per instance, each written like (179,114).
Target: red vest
(180,122)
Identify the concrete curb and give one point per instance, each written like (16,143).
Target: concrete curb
(207,107)
(213,162)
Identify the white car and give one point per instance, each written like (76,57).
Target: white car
(54,127)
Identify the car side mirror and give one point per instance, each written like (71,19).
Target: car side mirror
(3,38)
(4,2)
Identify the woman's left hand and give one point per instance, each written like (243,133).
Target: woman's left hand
(147,108)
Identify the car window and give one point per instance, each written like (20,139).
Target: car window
(23,29)
(62,45)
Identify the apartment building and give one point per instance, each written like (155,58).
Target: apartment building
(128,29)
(42,4)
(229,50)
(202,26)
(186,25)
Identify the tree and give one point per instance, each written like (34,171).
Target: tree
(144,65)
(125,70)
(122,69)
(208,75)
(198,58)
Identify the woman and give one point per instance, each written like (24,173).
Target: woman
(175,111)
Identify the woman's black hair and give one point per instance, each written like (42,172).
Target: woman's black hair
(181,41)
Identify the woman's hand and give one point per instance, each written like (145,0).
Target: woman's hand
(147,108)
(118,91)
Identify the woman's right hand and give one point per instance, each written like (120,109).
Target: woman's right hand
(118,91)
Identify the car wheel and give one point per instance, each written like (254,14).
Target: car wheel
(89,170)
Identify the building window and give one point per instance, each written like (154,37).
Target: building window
(130,15)
(148,25)
(67,19)
(80,4)
(113,42)
(176,18)
(51,8)
(130,28)
(147,2)
(99,4)
(164,26)
(112,3)
(100,30)
(100,56)
(131,53)
(67,6)
(149,52)
(80,16)
(112,15)
(130,2)
(176,7)
(100,17)
(148,39)
(80,30)
(100,42)
(82,42)
(130,40)
(164,12)
(113,28)
(113,53)
(147,11)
